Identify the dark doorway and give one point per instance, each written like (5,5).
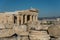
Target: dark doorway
(28,17)
(15,19)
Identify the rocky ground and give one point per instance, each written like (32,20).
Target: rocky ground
(29,32)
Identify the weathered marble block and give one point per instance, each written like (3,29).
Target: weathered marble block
(39,35)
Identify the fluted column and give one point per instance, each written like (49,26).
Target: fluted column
(33,18)
(13,19)
(30,17)
(18,19)
(25,18)
(36,18)
(21,19)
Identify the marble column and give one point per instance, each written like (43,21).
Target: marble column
(25,18)
(18,19)
(33,18)
(36,18)
(21,19)
(13,18)
(30,17)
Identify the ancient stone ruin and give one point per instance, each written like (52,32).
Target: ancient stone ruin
(22,25)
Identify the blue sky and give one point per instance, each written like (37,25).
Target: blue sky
(47,8)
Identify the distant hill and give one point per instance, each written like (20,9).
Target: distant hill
(40,18)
